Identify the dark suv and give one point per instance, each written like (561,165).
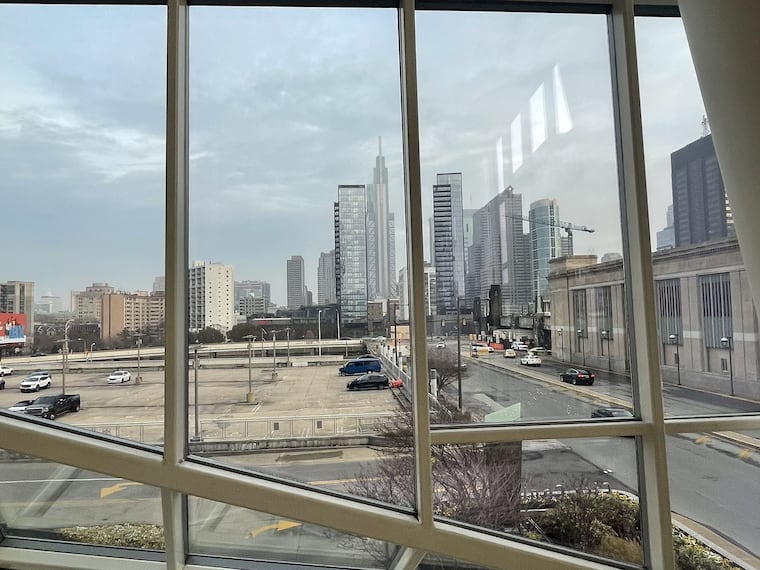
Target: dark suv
(51,407)
(377,381)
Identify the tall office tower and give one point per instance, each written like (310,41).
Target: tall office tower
(380,240)
(700,208)
(87,305)
(52,303)
(393,291)
(500,253)
(431,240)
(326,278)
(131,311)
(448,241)
(211,296)
(566,246)
(429,284)
(666,237)
(296,282)
(351,255)
(159,284)
(17,297)
(545,243)
(259,290)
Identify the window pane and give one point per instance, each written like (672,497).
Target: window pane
(82,154)
(225,530)
(296,232)
(713,482)
(521,190)
(575,493)
(50,501)
(708,332)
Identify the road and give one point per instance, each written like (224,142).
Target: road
(712,481)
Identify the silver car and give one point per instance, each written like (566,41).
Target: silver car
(35,382)
(119,377)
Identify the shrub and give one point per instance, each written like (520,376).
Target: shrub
(147,536)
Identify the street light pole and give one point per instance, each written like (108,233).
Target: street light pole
(250,338)
(606,336)
(319,330)
(459,357)
(583,345)
(138,379)
(274,355)
(196,436)
(287,332)
(395,338)
(92,347)
(674,340)
(562,344)
(726,343)
(65,354)
(337,320)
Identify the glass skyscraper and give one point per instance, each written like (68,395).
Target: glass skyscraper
(351,254)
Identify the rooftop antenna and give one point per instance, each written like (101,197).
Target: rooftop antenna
(705,126)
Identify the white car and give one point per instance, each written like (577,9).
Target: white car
(5,370)
(517,345)
(531,360)
(441,345)
(35,382)
(119,377)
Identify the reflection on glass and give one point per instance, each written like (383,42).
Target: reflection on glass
(707,335)
(226,530)
(296,238)
(510,185)
(82,155)
(47,500)
(713,486)
(577,493)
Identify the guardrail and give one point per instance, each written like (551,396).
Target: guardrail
(225,429)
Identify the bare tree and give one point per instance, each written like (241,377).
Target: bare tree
(446,364)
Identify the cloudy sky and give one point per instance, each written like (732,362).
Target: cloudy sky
(285,105)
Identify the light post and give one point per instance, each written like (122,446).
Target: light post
(65,354)
(249,397)
(395,338)
(274,355)
(583,345)
(337,320)
(138,342)
(562,344)
(725,342)
(92,347)
(606,336)
(196,435)
(459,357)
(319,330)
(674,340)
(287,332)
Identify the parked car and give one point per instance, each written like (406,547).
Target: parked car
(5,370)
(611,412)
(577,376)
(35,382)
(530,360)
(20,406)
(51,407)
(440,345)
(367,381)
(360,366)
(509,353)
(39,353)
(119,377)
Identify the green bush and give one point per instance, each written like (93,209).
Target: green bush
(693,555)
(146,536)
(621,549)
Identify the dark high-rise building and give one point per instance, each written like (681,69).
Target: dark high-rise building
(350,217)
(448,241)
(700,209)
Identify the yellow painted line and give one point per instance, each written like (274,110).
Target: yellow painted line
(703,439)
(107,491)
(279,526)
(744,453)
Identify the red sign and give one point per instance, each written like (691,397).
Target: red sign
(12,328)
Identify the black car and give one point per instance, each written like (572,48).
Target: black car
(2,382)
(367,381)
(611,412)
(38,353)
(578,376)
(51,407)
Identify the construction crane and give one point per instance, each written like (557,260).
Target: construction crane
(567,226)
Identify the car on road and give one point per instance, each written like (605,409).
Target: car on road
(35,382)
(530,360)
(611,412)
(20,406)
(368,381)
(517,345)
(510,353)
(5,370)
(539,350)
(440,345)
(39,353)
(51,407)
(119,377)
(578,376)
(481,349)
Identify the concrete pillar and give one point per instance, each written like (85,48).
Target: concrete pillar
(724,39)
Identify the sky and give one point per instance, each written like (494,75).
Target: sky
(288,103)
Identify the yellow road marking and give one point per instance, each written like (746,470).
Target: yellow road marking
(279,526)
(107,491)
(703,439)
(744,453)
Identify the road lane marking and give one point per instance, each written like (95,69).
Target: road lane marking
(703,439)
(279,526)
(107,491)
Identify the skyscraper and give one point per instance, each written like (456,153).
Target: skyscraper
(296,281)
(211,296)
(326,278)
(545,243)
(350,213)
(381,271)
(700,209)
(666,237)
(448,241)
(500,253)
